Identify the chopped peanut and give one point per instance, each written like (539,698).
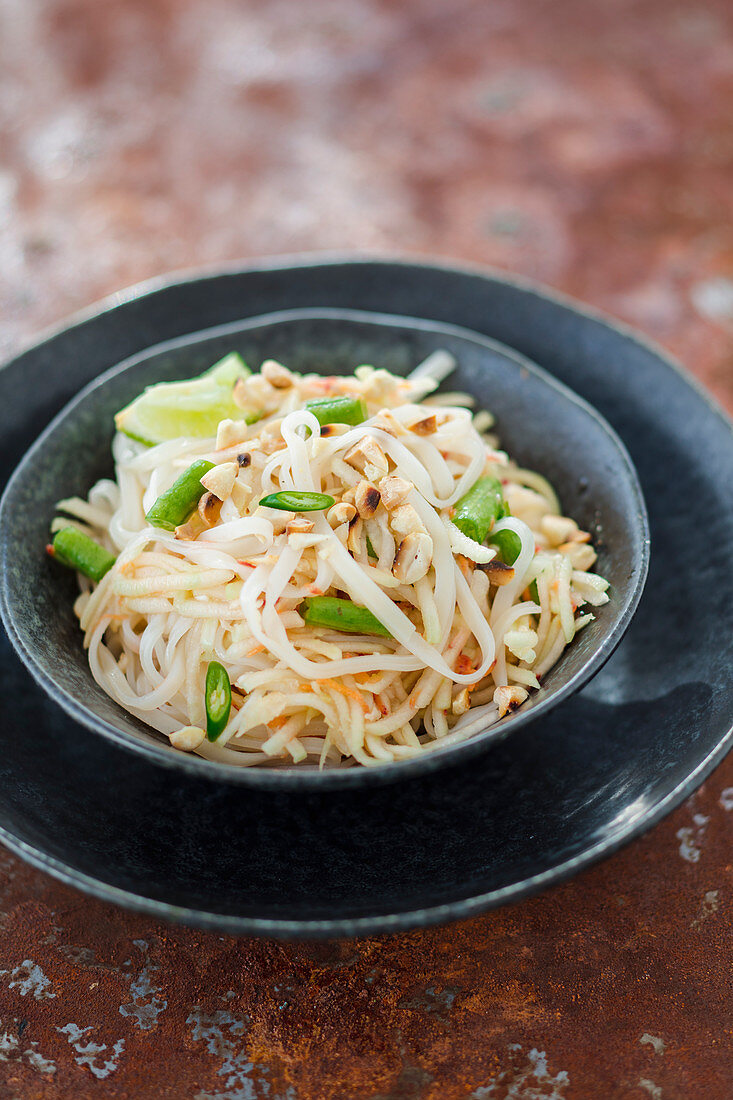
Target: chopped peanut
(209,509)
(230,432)
(328,430)
(462,702)
(256,391)
(509,698)
(581,555)
(426,425)
(353,539)
(388,422)
(404,520)
(557,529)
(413,558)
(366,499)
(190,530)
(220,479)
(499,573)
(394,491)
(276,374)
(187,738)
(300,526)
(343,512)
(368,458)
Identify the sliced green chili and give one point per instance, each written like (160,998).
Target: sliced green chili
(77,551)
(218,700)
(508,544)
(343,615)
(175,505)
(338,410)
(370,549)
(534,591)
(478,509)
(293,501)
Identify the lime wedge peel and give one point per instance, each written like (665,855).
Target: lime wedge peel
(191,408)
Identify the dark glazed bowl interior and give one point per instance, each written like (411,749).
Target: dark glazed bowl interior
(541,423)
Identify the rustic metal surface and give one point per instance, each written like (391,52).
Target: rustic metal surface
(587,145)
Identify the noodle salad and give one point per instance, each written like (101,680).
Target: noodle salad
(331,571)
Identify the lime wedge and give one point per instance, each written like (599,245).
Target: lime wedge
(193,408)
(227,370)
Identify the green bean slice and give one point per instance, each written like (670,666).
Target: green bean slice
(218,699)
(175,505)
(508,545)
(478,509)
(76,550)
(338,410)
(329,611)
(291,500)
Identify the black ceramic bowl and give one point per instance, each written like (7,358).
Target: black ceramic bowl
(541,423)
(480,830)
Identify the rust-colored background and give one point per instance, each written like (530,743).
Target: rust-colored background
(586,144)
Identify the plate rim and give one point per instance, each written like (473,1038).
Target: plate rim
(466,907)
(382,923)
(334,258)
(313,780)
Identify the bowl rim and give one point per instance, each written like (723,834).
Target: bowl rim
(285,928)
(293,777)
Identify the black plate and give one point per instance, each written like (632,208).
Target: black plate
(542,424)
(565,790)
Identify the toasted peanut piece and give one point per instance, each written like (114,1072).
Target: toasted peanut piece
(426,424)
(462,702)
(353,539)
(270,445)
(394,491)
(509,698)
(328,430)
(413,557)
(581,554)
(254,390)
(343,512)
(220,479)
(348,496)
(388,422)
(366,499)
(241,496)
(404,520)
(557,529)
(276,374)
(190,530)
(380,384)
(209,509)
(368,458)
(499,573)
(300,526)
(187,738)
(230,432)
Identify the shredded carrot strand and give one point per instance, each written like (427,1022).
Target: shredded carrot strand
(350,693)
